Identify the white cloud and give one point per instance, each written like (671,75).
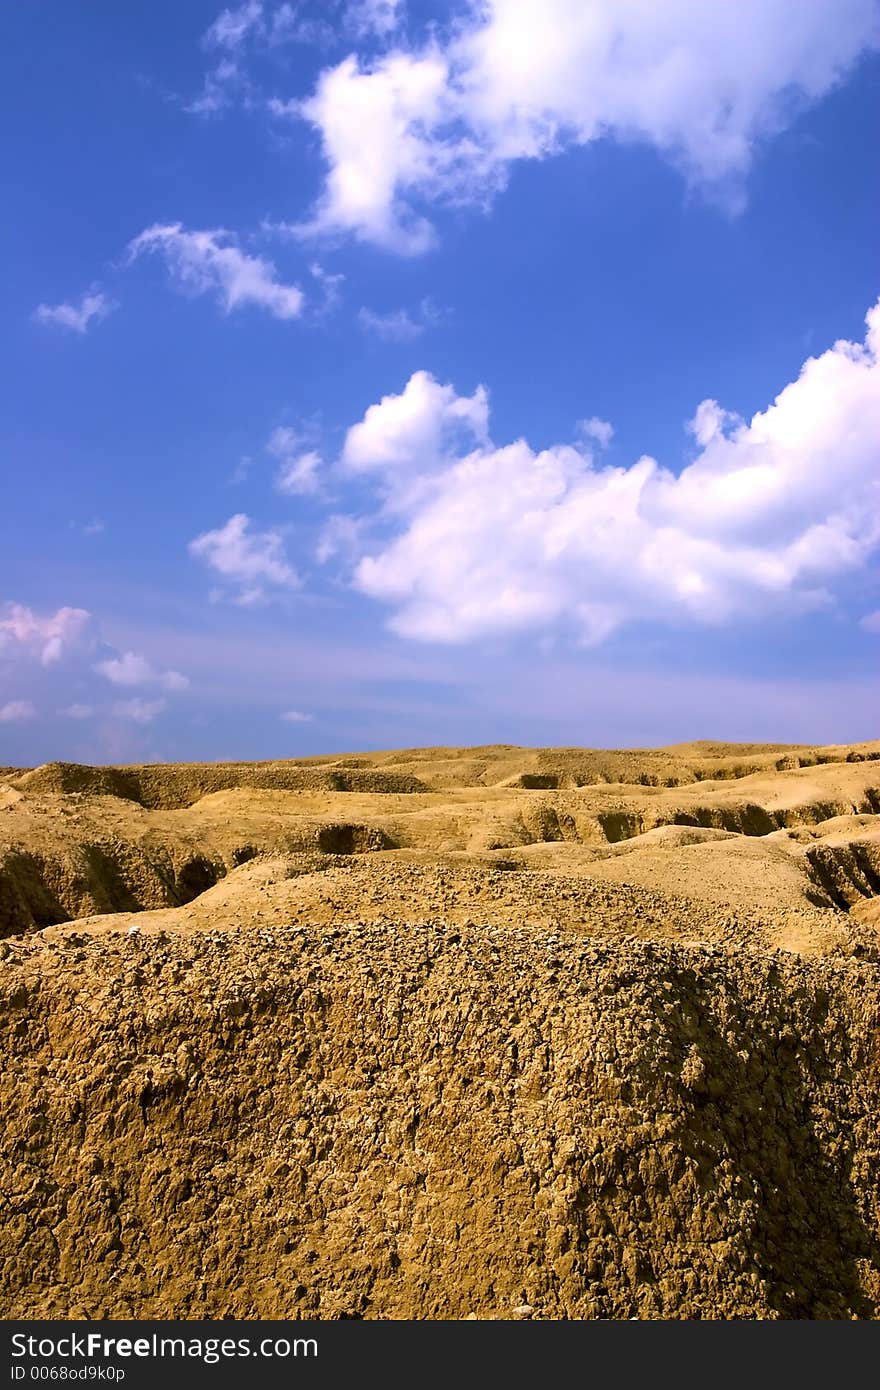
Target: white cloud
(210,263)
(295,716)
(133,669)
(372,129)
(15,710)
(871,622)
(250,559)
(702,83)
(139,711)
(412,432)
(60,660)
(77,711)
(94,306)
(48,638)
(488,539)
(599,430)
(710,422)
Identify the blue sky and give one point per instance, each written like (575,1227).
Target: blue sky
(380,374)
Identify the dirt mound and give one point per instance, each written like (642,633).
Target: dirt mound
(38,889)
(416,1122)
(443,1033)
(46,881)
(847,871)
(168,786)
(76,853)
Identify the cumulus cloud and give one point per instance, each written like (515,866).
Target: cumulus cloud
(47,638)
(412,433)
(138,710)
(61,660)
(210,262)
(703,84)
(133,669)
(92,308)
(252,560)
(16,710)
(481,539)
(295,716)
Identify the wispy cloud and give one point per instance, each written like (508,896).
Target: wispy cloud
(241,470)
(252,560)
(235,36)
(210,262)
(16,710)
(298,468)
(220,88)
(399,325)
(77,711)
(133,669)
(92,308)
(139,711)
(330,285)
(600,431)
(233,26)
(295,716)
(379,17)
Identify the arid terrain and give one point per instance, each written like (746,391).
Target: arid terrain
(443,1033)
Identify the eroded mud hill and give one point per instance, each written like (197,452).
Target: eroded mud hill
(413,1121)
(495,1035)
(78,840)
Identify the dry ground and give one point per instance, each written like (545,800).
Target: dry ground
(442,1033)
